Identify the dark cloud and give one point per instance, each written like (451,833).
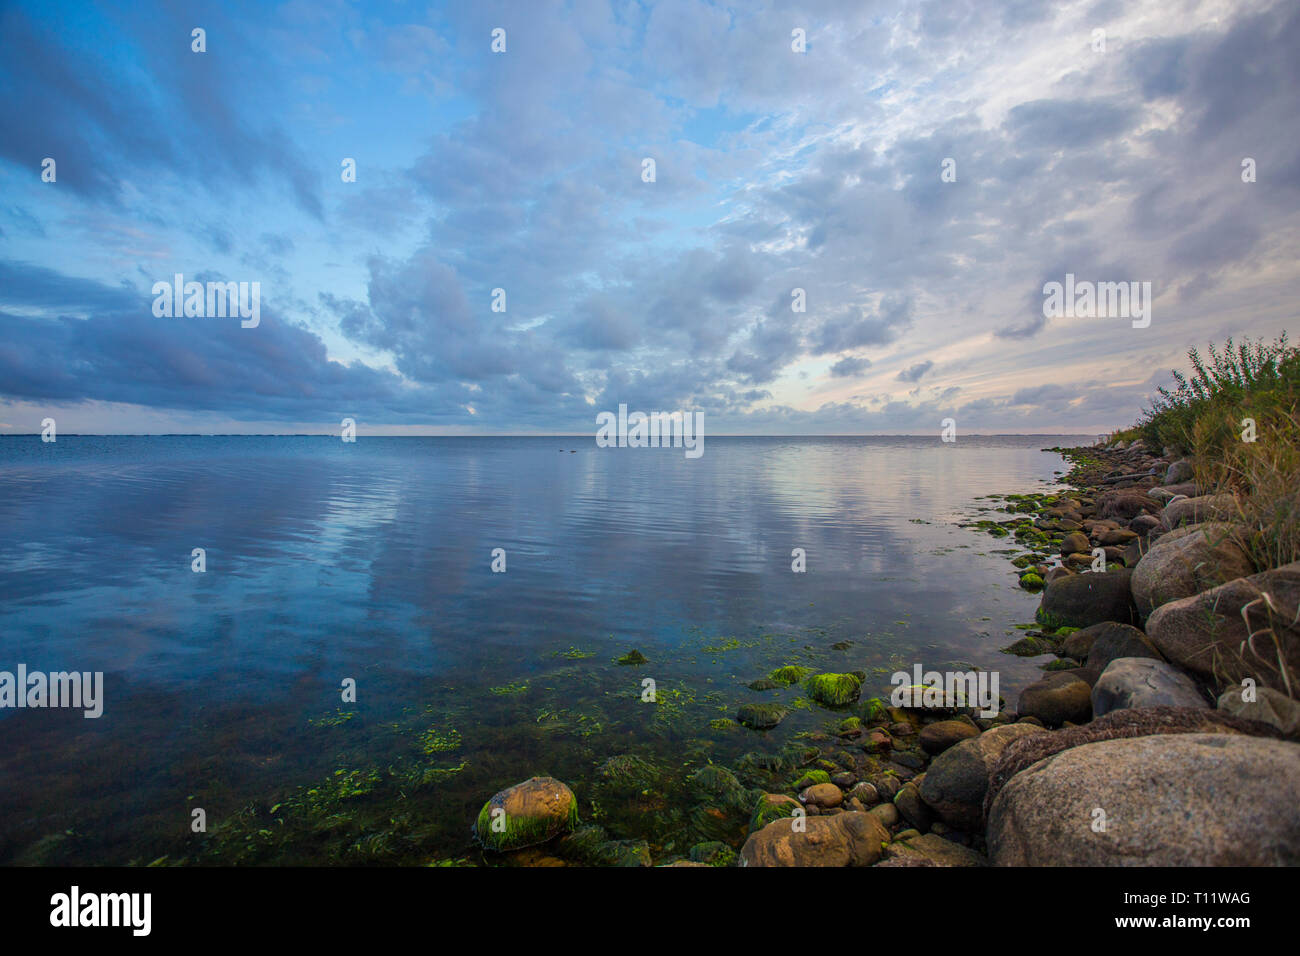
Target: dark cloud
(850,367)
(914,373)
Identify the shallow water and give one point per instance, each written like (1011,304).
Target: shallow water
(372,561)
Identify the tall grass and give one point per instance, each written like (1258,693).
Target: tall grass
(1204,417)
(1258,379)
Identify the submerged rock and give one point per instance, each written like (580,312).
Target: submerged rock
(713,853)
(526,814)
(1174,800)
(632,657)
(761,716)
(722,807)
(625,776)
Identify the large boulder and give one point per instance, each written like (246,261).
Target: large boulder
(1267,705)
(1117,725)
(1187,562)
(528,813)
(846,839)
(1130,682)
(1110,641)
(1084,599)
(1056,699)
(1208,635)
(957,779)
(1201,508)
(1171,800)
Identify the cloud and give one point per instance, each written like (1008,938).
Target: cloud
(914,373)
(776,171)
(850,367)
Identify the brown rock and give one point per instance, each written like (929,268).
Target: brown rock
(1122,724)
(1074,543)
(957,780)
(1167,800)
(1057,698)
(1083,599)
(1126,504)
(1118,536)
(1208,635)
(1188,561)
(1202,508)
(1110,641)
(846,839)
(931,850)
(938,737)
(824,795)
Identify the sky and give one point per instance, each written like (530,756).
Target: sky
(919,170)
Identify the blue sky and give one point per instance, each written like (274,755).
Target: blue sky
(521,170)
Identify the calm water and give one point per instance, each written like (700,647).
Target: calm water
(372,561)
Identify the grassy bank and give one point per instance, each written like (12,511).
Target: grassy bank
(1235,415)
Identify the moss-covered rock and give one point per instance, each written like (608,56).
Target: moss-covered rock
(772,806)
(632,657)
(812,778)
(526,814)
(834,690)
(1031,582)
(714,853)
(789,674)
(875,709)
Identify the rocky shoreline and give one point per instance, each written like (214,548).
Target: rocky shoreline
(1164,732)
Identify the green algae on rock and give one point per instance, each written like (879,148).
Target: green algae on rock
(770,807)
(834,690)
(526,814)
(789,674)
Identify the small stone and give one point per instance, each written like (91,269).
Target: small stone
(823,795)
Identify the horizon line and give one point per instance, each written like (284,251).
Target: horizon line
(539,435)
